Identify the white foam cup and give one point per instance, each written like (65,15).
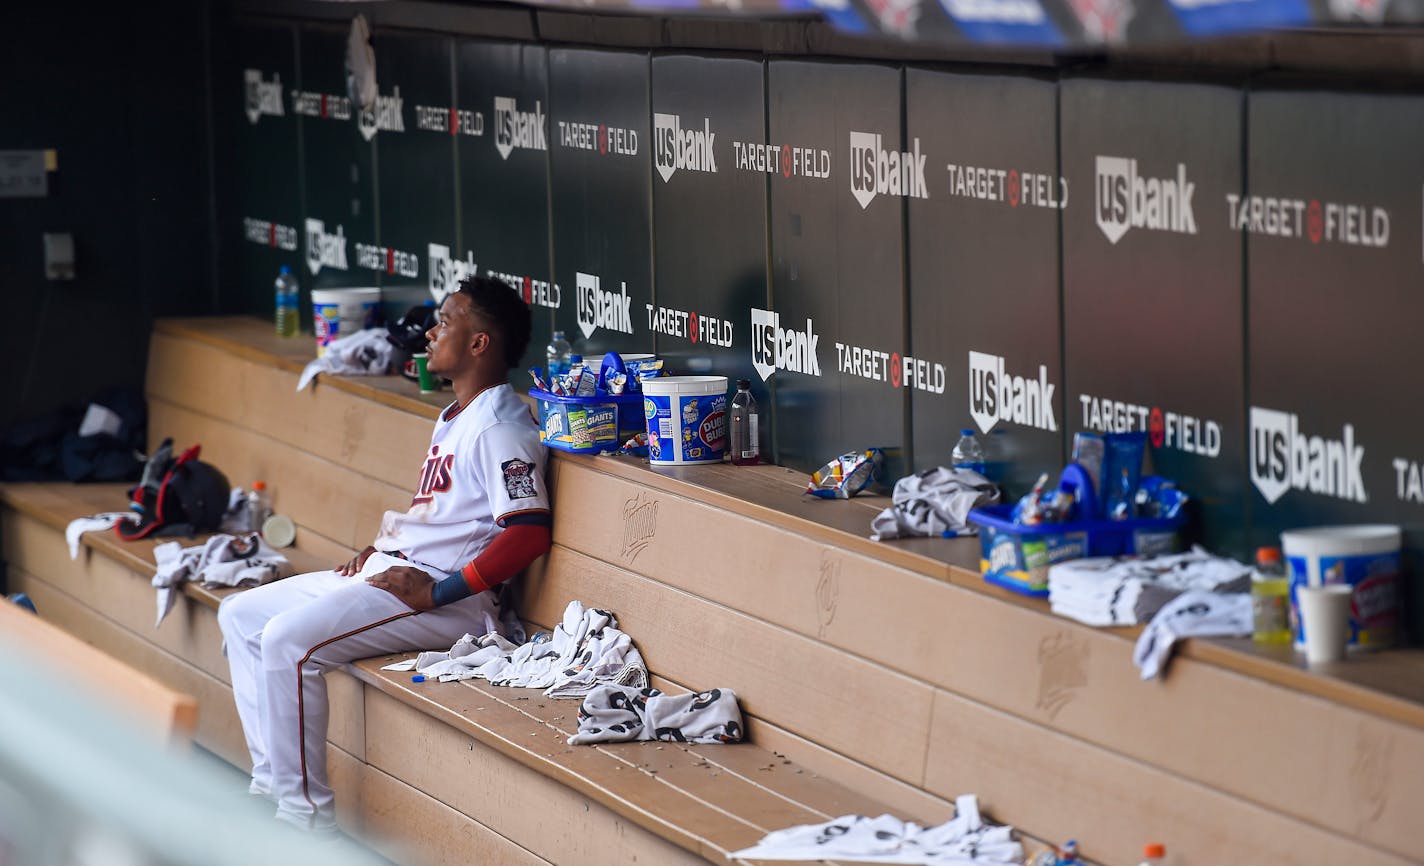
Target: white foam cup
(1325,618)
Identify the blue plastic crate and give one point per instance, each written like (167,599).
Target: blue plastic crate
(1018,557)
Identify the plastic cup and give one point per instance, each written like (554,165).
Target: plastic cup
(428,383)
(1325,619)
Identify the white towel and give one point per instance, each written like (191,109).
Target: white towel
(364,353)
(933,501)
(586,650)
(1103,591)
(223,560)
(961,841)
(1192,614)
(96,523)
(616,714)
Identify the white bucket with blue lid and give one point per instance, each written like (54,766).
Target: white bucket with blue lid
(687,419)
(1365,557)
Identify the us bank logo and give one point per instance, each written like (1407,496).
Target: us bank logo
(600,309)
(877,171)
(518,129)
(677,148)
(446,273)
(777,348)
(1282,458)
(325,250)
(996,395)
(263,97)
(1127,200)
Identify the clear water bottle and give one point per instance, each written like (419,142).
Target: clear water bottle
(745,445)
(259,506)
(1153,854)
(560,354)
(967,453)
(286,298)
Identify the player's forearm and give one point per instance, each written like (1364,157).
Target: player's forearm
(506,556)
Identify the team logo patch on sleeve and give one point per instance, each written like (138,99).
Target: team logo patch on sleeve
(519,479)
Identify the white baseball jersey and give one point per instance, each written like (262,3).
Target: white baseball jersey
(483,465)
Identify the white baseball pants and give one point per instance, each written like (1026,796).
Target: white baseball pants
(282,637)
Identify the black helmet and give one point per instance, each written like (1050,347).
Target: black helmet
(177,497)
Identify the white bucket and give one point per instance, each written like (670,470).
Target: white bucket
(339,312)
(687,419)
(1366,558)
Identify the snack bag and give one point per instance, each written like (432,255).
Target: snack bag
(846,475)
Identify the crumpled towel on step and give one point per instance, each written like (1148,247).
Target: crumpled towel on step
(223,560)
(933,501)
(586,650)
(95,523)
(618,714)
(1194,613)
(364,353)
(964,840)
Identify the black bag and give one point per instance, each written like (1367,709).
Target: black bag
(182,496)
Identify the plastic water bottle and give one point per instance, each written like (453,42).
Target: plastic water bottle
(286,298)
(259,506)
(745,444)
(1270,598)
(560,354)
(967,453)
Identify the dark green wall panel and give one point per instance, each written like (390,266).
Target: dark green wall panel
(504,179)
(710,216)
(837,244)
(265,218)
(338,164)
(601,198)
(414,133)
(1153,299)
(984,294)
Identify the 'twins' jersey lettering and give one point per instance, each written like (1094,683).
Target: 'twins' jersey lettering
(434,476)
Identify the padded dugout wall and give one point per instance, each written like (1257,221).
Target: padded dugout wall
(1153,300)
(835,333)
(601,198)
(503,176)
(414,133)
(709,209)
(337,164)
(1336,260)
(263,210)
(983,253)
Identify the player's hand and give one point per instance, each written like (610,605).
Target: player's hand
(356,562)
(410,585)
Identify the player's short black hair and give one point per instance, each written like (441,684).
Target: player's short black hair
(503,309)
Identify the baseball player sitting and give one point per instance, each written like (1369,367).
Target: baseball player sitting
(479,516)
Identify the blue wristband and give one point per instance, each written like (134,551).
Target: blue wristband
(452,588)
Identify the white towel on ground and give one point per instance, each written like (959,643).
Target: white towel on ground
(930,502)
(962,841)
(95,523)
(223,560)
(617,714)
(586,650)
(1192,614)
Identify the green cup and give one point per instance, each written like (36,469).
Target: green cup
(428,383)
